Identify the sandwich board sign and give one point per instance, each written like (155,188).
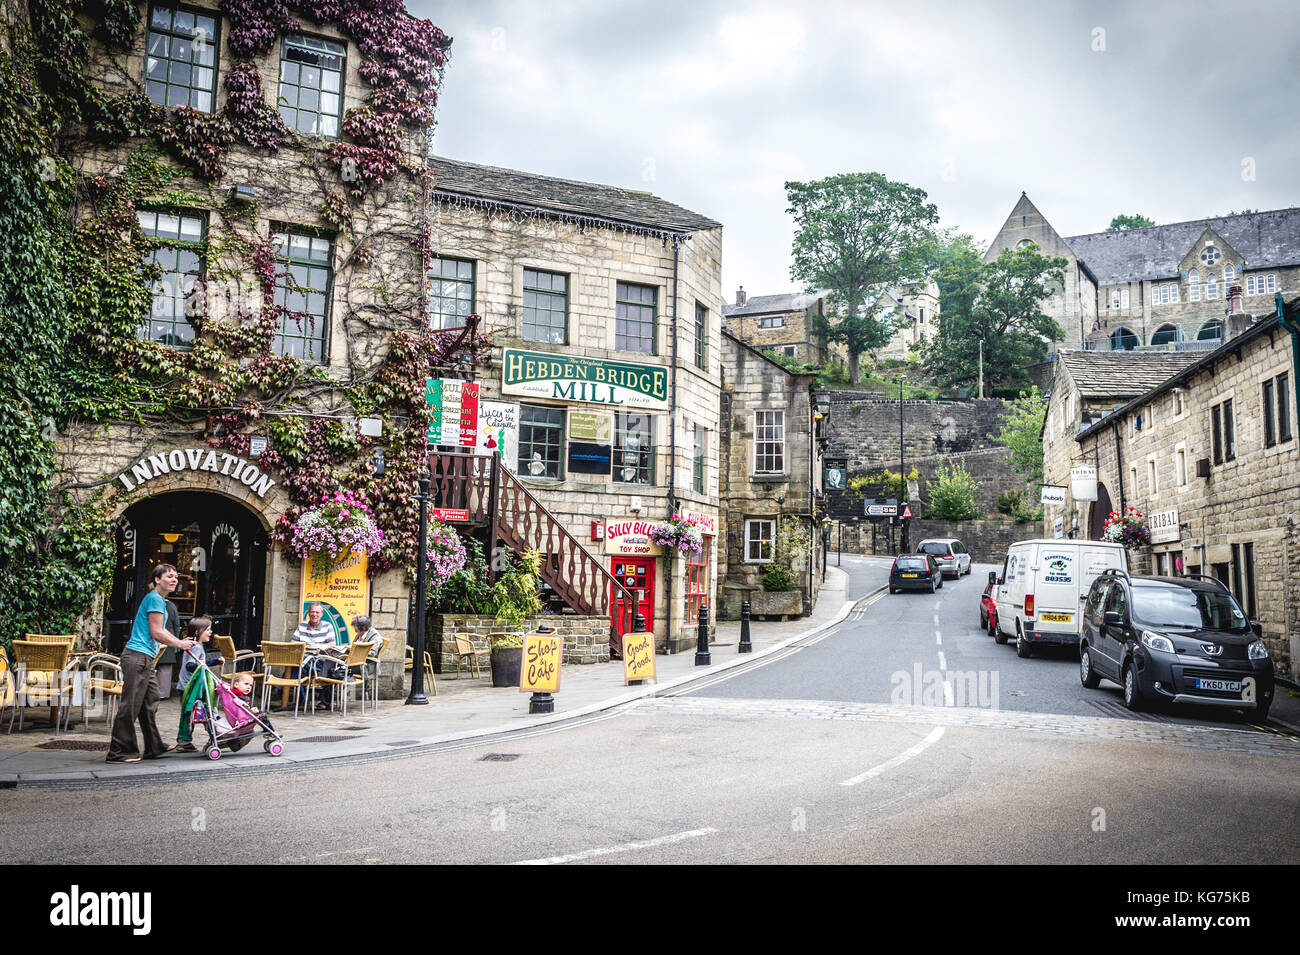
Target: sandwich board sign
(539,671)
(639,657)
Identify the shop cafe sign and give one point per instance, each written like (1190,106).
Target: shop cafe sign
(1052,494)
(197,459)
(551,375)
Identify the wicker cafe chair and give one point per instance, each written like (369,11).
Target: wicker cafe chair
(43,680)
(465,650)
(286,656)
(408,666)
(103,678)
(238,660)
(69,638)
(354,675)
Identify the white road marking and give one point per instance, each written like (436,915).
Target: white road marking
(936,620)
(938,638)
(624,847)
(898,760)
(943,664)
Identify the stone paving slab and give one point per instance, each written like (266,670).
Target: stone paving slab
(462,710)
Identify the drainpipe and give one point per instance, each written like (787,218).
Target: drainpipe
(1291,326)
(672,453)
(672,389)
(812,485)
(1119,464)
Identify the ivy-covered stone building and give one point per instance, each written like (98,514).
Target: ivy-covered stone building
(223,215)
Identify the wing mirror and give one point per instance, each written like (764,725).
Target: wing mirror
(993,576)
(1113,619)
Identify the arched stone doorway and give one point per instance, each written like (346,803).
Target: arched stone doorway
(1101,509)
(218,545)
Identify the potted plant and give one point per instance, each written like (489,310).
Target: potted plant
(677,534)
(513,599)
(1129,528)
(780,593)
(340,524)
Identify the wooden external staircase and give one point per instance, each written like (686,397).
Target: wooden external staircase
(486,493)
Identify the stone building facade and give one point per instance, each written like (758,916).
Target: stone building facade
(1161,287)
(568,272)
(784,324)
(771,453)
(914,316)
(180,491)
(1086,386)
(1209,456)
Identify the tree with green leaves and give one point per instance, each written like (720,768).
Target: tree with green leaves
(951,493)
(856,235)
(1022,434)
(998,303)
(1122,222)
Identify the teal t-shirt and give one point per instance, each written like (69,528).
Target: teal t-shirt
(140,640)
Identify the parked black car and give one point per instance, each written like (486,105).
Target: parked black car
(915,572)
(1176,639)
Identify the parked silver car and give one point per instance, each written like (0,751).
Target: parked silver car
(953,557)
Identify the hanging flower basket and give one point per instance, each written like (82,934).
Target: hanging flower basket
(677,533)
(446,554)
(339,525)
(1129,528)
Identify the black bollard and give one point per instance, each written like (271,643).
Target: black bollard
(702,657)
(745,646)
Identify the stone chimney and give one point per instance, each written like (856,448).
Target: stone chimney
(740,297)
(1238,318)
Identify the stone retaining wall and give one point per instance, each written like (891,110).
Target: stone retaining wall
(986,540)
(586,639)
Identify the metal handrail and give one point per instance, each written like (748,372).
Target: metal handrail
(576,574)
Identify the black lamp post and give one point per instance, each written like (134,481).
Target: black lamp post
(417,697)
(902,472)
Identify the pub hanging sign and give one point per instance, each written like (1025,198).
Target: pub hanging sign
(571,378)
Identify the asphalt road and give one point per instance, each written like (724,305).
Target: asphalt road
(873,657)
(757,768)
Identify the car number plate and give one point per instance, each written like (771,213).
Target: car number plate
(908,575)
(1229,686)
(1056,617)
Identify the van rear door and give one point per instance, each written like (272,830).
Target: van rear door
(1056,589)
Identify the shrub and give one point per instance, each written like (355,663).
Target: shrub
(952,495)
(1008,503)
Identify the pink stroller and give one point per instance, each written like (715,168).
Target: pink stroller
(230,722)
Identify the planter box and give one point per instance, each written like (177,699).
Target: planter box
(586,639)
(785,603)
(506,662)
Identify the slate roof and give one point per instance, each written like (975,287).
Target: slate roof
(528,190)
(1203,360)
(773,304)
(1123,374)
(1264,240)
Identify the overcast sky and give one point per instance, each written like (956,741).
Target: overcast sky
(1174,110)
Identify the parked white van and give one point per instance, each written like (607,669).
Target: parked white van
(1042,587)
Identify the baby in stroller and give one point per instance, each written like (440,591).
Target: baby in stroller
(228,715)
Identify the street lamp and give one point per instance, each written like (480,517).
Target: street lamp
(417,697)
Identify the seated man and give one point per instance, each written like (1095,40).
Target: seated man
(319,636)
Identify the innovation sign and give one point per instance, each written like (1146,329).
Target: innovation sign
(548,375)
